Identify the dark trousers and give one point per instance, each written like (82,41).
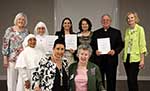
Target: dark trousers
(108,69)
(132,70)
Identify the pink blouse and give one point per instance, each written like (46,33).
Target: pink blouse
(81,80)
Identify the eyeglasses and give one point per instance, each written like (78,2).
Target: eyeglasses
(41,28)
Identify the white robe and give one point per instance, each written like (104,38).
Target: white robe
(26,63)
(42,43)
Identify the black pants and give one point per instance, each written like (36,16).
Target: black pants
(108,69)
(132,70)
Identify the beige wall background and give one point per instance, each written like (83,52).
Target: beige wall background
(142,8)
(53,11)
(36,10)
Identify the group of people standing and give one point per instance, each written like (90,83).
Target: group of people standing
(84,69)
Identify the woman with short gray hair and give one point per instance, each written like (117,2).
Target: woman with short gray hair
(84,75)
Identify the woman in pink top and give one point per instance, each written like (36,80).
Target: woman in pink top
(84,75)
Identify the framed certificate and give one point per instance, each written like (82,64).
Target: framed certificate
(71,41)
(103,45)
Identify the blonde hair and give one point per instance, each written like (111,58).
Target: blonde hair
(135,15)
(20,15)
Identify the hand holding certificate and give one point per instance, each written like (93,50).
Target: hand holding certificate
(103,45)
(71,41)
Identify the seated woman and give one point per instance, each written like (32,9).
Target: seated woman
(84,75)
(51,73)
(26,63)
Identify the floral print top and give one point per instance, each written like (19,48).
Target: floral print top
(45,73)
(12,43)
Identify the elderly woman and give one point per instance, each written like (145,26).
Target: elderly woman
(12,46)
(51,74)
(134,51)
(84,75)
(41,32)
(27,61)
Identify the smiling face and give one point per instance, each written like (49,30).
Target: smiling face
(83,56)
(59,50)
(84,26)
(67,24)
(131,19)
(32,42)
(41,30)
(20,22)
(106,21)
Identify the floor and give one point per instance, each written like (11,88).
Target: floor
(121,85)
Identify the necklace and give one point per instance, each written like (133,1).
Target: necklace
(61,76)
(60,69)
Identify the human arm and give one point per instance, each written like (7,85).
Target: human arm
(141,64)
(5,48)
(5,62)
(24,74)
(117,43)
(143,50)
(99,83)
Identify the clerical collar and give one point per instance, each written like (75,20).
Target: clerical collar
(105,30)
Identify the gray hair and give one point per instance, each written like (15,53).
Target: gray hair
(106,15)
(20,15)
(84,47)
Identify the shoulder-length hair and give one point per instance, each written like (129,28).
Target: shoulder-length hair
(62,28)
(88,22)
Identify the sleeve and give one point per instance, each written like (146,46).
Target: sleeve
(120,43)
(142,41)
(37,75)
(24,74)
(21,61)
(99,84)
(6,42)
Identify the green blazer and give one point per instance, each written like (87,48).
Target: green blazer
(137,39)
(94,77)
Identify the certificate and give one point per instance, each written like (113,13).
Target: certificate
(50,39)
(103,45)
(71,41)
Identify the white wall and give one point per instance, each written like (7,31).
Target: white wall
(92,9)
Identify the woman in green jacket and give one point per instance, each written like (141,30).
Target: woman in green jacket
(84,75)
(135,48)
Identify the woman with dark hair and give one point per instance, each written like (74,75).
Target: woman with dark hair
(51,75)
(66,29)
(84,36)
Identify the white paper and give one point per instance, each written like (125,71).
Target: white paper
(50,39)
(71,41)
(103,45)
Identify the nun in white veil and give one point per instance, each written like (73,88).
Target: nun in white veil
(41,32)
(27,62)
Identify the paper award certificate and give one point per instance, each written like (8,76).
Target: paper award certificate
(50,42)
(103,45)
(71,41)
